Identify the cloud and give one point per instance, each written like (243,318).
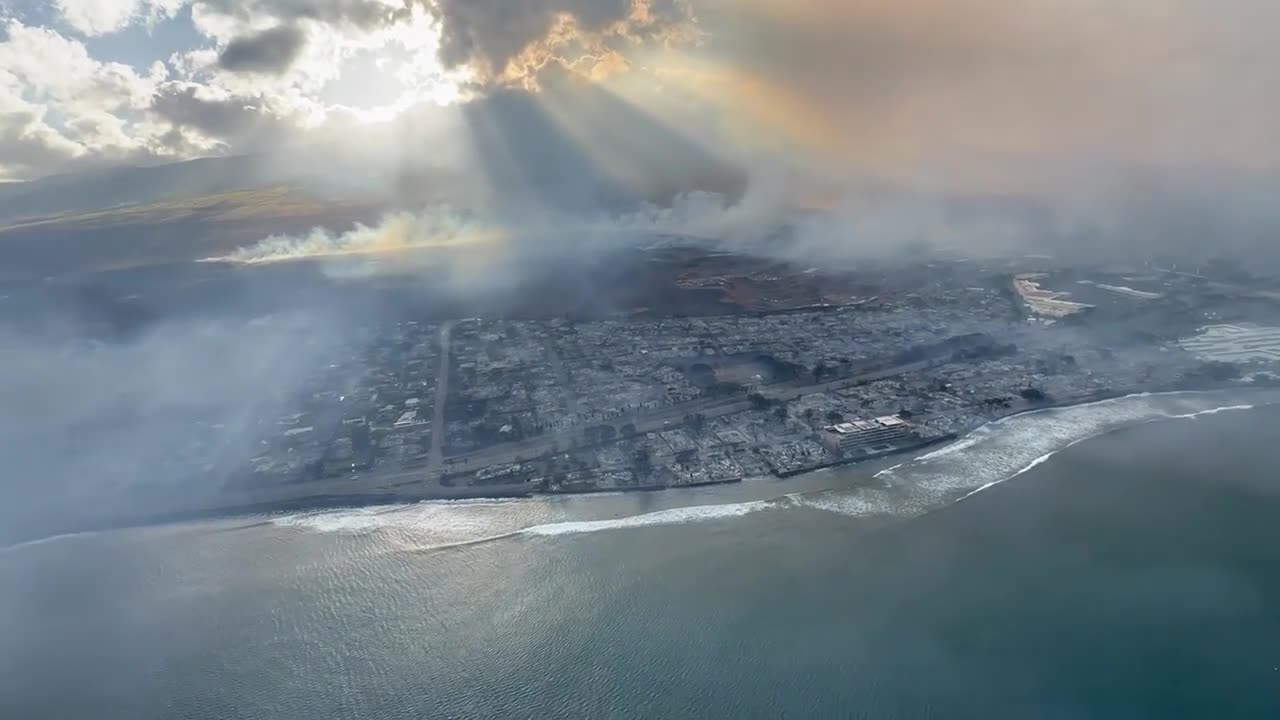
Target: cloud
(28,143)
(94,17)
(47,66)
(270,51)
(1067,102)
(271,70)
(235,121)
(64,109)
(317,59)
(219,17)
(509,43)
(99,17)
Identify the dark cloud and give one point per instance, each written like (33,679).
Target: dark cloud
(493,32)
(270,51)
(242,123)
(500,38)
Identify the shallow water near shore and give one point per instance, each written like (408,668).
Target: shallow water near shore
(1118,559)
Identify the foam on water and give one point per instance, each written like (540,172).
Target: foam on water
(46,540)
(434,523)
(673,516)
(1008,449)
(441,525)
(1213,411)
(1034,464)
(989,456)
(958,446)
(1003,450)
(888,470)
(864,502)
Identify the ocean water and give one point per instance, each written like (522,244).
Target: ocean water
(1120,559)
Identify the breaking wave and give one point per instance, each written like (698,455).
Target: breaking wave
(47,540)
(1006,449)
(674,516)
(1214,411)
(447,524)
(993,454)
(434,523)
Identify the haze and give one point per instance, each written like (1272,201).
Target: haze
(450,155)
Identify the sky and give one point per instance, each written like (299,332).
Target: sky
(1000,95)
(1143,126)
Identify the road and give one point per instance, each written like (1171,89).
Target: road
(662,419)
(657,420)
(436,454)
(562,377)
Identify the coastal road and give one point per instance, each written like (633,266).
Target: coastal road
(423,483)
(654,421)
(663,419)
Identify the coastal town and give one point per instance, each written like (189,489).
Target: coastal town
(499,406)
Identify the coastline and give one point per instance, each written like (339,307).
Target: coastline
(1026,407)
(622,568)
(922,444)
(420,492)
(957,505)
(341,501)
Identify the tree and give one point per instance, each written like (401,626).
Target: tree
(600,433)
(722,389)
(1033,394)
(702,375)
(642,461)
(628,430)
(835,416)
(1217,370)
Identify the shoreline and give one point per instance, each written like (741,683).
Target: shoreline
(957,504)
(922,444)
(357,500)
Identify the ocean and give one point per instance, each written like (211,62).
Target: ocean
(1119,559)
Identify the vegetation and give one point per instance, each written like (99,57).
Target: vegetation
(696,421)
(1034,395)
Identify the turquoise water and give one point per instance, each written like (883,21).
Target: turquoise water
(1134,574)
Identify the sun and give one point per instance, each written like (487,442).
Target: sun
(395,70)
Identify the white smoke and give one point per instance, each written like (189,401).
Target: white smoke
(435,227)
(765,221)
(769,221)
